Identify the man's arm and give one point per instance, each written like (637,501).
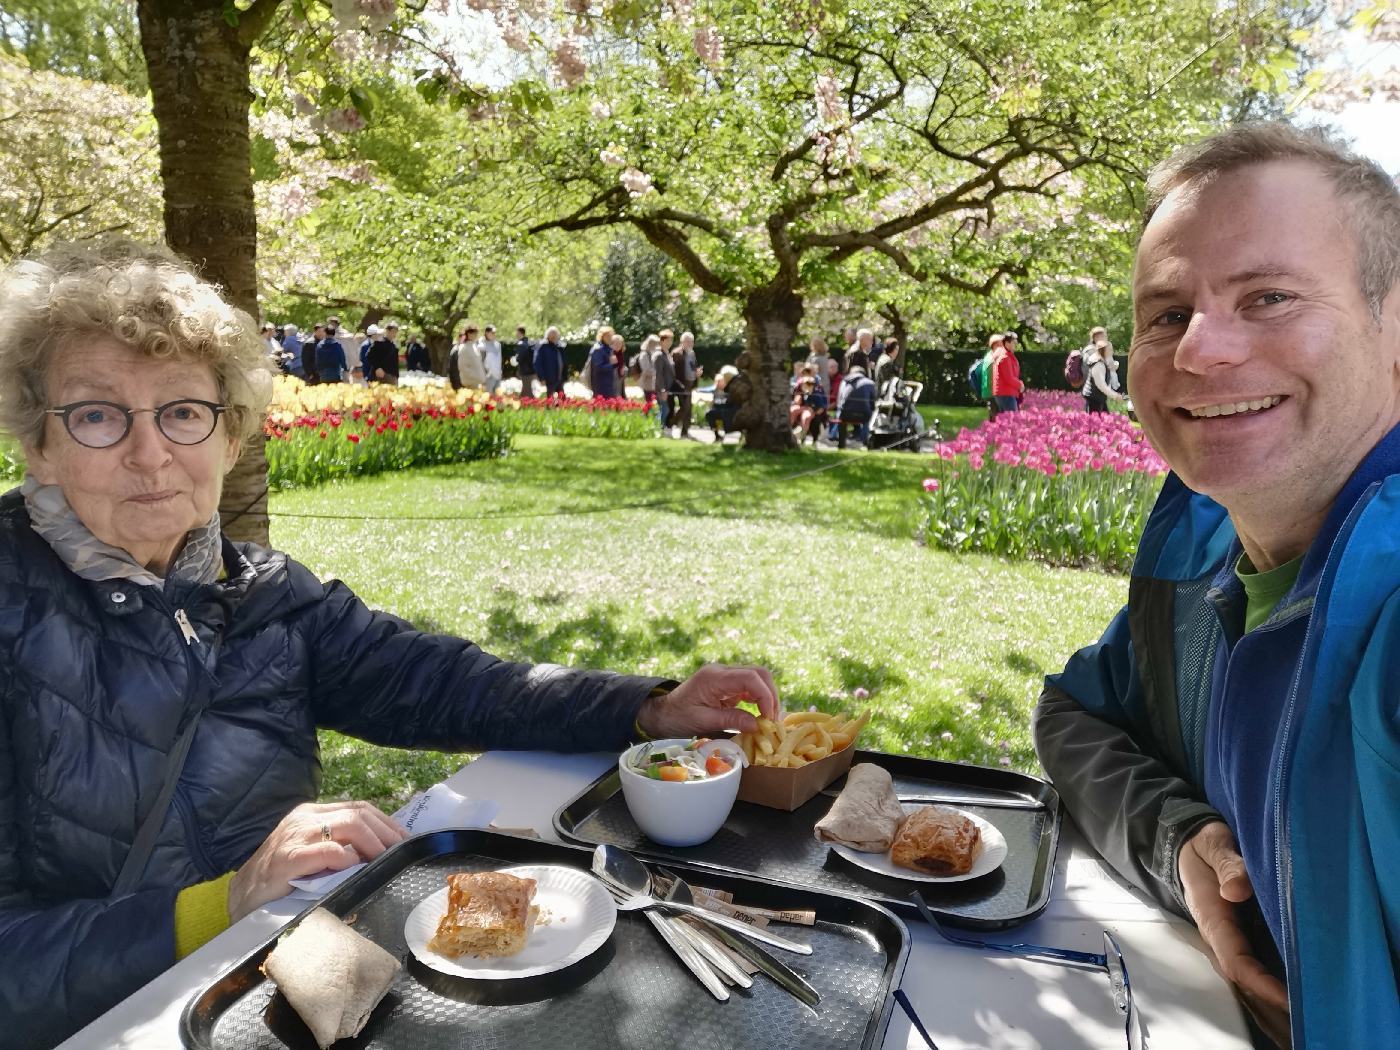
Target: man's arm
(1091,733)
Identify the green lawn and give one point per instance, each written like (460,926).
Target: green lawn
(952,418)
(818,576)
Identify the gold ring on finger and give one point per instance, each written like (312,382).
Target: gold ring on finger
(326,833)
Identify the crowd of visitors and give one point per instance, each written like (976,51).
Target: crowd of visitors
(832,393)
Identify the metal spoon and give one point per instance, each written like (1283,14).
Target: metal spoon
(620,869)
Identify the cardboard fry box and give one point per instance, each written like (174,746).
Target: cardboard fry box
(789,788)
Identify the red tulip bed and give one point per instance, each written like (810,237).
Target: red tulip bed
(319,433)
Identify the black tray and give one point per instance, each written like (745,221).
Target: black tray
(776,845)
(632,992)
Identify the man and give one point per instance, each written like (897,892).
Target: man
(525,362)
(331,365)
(417,358)
(671,391)
(1230,745)
(308,353)
(291,352)
(464,368)
(687,372)
(382,358)
(858,355)
(1007,387)
(665,378)
(549,363)
(489,350)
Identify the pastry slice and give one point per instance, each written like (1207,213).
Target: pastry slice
(488,913)
(937,841)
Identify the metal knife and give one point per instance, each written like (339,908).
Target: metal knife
(990,801)
(688,955)
(784,975)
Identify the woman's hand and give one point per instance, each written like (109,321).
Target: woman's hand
(311,838)
(704,704)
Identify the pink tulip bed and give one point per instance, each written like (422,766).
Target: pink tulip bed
(1050,482)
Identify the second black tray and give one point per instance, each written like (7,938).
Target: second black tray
(780,846)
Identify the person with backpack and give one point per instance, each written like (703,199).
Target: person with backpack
(979,376)
(1007,387)
(856,406)
(1101,374)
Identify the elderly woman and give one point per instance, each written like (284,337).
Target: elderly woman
(163,686)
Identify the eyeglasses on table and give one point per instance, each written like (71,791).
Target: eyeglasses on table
(1111,961)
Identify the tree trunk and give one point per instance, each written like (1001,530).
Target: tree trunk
(771,317)
(197,64)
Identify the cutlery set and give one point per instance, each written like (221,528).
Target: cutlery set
(706,942)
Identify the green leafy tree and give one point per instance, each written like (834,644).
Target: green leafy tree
(765,148)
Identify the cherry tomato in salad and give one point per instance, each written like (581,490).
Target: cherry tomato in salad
(715,765)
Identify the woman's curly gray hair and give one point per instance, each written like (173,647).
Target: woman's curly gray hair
(139,295)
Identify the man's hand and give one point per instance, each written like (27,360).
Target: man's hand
(311,838)
(1214,880)
(704,704)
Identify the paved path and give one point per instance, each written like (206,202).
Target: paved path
(705,436)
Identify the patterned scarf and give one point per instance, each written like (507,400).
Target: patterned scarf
(53,519)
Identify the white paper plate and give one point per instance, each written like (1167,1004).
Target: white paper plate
(993,853)
(576,915)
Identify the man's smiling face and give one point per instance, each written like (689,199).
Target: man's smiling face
(1256,366)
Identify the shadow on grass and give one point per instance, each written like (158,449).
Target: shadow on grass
(1023,664)
(599,638)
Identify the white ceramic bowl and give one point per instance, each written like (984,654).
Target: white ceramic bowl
(677,814)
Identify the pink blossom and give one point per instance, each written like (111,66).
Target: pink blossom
(638,182)
(569,64)
(860,692)
(709,46)
(930,484)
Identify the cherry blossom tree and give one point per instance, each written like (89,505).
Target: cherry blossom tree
(77,161)
(767,148)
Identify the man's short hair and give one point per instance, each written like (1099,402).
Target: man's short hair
(490,328)
(520,329)
(666,333)
(1011,337)
(1369,197)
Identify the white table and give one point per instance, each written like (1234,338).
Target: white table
(966,998)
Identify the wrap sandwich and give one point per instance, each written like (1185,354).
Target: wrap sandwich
(330,975)
(866,815)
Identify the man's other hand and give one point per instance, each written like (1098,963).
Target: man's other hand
(1214,880)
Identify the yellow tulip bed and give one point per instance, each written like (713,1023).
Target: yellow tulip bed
(317,433)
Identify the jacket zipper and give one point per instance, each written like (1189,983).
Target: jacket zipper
(1281,854)
(186,628)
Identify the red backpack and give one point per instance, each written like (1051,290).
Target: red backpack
(1074,369)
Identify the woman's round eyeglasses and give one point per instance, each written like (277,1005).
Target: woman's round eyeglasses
(101,424)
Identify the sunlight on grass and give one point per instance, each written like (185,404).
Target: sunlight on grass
(816,577)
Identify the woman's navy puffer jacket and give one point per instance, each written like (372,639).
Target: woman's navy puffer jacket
(95,680)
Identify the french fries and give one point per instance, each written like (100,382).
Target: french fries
(801,737)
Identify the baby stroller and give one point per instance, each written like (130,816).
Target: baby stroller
(896,422)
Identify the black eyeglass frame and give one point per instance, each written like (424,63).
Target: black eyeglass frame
(1111,961)
(65,412)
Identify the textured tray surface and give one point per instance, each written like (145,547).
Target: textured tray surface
(632,993)
(781,846)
